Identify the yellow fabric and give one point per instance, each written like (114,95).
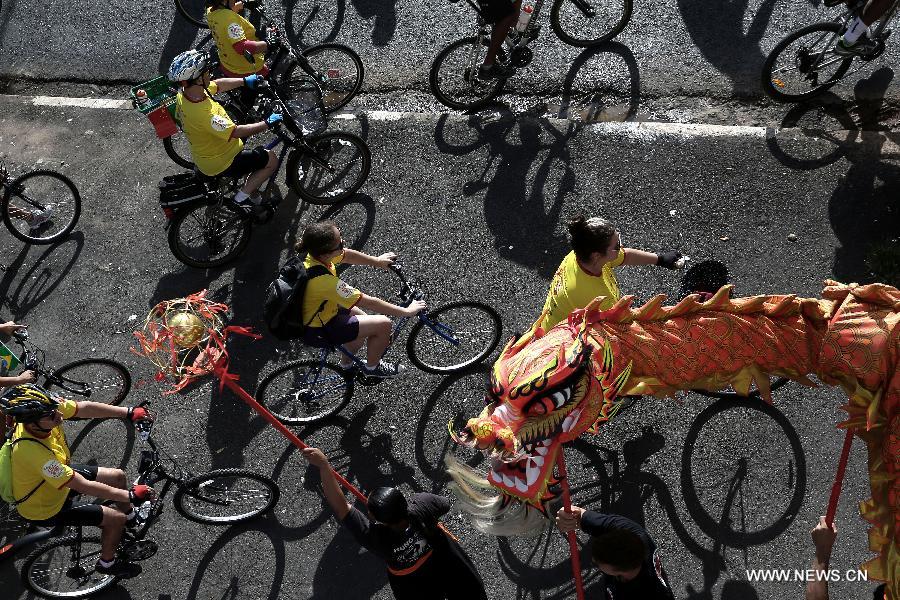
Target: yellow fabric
(328,289)
(208,129)
(573,287)
(228,28)
(33,463)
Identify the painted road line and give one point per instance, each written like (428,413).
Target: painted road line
(107,103)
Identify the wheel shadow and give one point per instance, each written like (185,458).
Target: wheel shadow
(21,291)
(91,446)
(322,21)
(594,90)
(182,36)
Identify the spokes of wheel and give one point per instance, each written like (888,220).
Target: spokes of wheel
(50,571)
(94,379)
(305,391)
(454,337)
(340,72)
(226,496)
(335,169)
(804,64)
(584,23)
(41,207)
(454,76)
(206,236)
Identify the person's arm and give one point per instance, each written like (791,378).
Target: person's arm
(569,520)
(10,327)
(333,494)
(386,308)
(823,539)
(355,257)
(23,377)
(667,259)
(97,489)
(245,131)
(99,410)
(253,47)
(229,83)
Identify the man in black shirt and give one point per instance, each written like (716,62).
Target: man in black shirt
(623,550)
(423,559)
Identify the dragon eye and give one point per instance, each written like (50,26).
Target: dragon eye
(546,404)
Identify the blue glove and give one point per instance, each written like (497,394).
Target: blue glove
(251,81)
(273,119)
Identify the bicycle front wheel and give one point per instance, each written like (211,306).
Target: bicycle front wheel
(226,496)
(335,168)
(454,337)
(96,379)
(41,207)
(176,146)
(804,64)
(585,23)
(64,568)
(340,73)
(454,75)
(305,391)
(205,236)
(194,11)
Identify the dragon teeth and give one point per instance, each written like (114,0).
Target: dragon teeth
(538,460)
(542,451)
(495,477)
(508,481)
(521,485)
(531,475)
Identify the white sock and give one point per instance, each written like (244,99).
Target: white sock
(240,196)
(130,516)
(106,563)
(854,31)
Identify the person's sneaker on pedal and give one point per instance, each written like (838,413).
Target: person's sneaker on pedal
(246,202)
(118,568)
(40,218)
(861,47)
(495,71)
(383,370)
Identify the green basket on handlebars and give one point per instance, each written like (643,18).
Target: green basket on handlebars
(159,105)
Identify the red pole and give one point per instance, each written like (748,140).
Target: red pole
(223,376)
(839,479)
(567,506)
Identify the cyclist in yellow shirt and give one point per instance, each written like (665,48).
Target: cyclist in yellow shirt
(45,482)
(216,142)
(235,35)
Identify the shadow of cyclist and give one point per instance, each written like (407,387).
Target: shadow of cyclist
(596,90)
(384,12)
(321,22)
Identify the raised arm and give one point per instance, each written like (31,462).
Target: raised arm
(333,494)
(355,257)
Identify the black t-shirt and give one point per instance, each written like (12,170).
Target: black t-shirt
(651,582)
(423,561)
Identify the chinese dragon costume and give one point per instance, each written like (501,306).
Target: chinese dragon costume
(547,388)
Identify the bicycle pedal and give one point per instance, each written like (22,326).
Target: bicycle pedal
(139,550)
(368,380)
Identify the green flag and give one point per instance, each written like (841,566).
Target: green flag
(8,360)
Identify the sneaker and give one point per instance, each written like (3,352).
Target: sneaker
(495,71)
(120,569)
(40,217)
(383,370)
(862,47)
(349,369)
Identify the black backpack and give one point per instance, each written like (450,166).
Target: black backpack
(283,309)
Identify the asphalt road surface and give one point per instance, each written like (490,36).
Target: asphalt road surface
(475,206)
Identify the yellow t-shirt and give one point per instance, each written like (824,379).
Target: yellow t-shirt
(33,463)
(228,28)
(573,287)
(208,129)
(328,289)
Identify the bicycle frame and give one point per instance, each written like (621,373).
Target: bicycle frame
(844,19)
(34,360)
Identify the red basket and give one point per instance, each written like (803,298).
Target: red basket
(163,122)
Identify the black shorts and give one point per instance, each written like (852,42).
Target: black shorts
(496,10)
(77,513)
(246,162)
(342,328)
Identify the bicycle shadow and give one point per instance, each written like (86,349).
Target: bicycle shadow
(589,96)
(91,442)
(21,291)
(384,12)
(324,16)
(182,36)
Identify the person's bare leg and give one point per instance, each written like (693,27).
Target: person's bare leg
(115,478)
(112,525)
(499,33)
(376,330)
(257,178)
(354,346)
(874,10)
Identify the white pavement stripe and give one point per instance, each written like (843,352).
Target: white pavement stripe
(80,102)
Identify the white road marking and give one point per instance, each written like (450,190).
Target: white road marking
(80,102)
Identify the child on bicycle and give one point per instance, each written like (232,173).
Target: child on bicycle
(234,35)
(332,309)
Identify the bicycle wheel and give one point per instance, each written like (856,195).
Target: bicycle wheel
(226,496)
(454,337)
(454,75)
(584,23)
(340,73)
(305,391)
(804,64)
(205,236)
(335,169)
(194,11)
(176,146)
(743,472)
(96,379)
(51,570)
(28,196)
(729,393)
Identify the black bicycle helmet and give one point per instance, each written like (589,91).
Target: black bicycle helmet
(27,403)
(387,505)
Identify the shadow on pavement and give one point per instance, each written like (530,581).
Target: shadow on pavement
(594,89)
(318,16)
(384,12)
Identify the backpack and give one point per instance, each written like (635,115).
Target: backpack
(177,191)
(283,308)
(6,479)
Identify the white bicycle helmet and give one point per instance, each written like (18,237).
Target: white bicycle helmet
(188,66)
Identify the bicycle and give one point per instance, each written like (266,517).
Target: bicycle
(449,339)
(814,62)
(581,23)
(96,379)
(32,193)
(322,168)
(62,566)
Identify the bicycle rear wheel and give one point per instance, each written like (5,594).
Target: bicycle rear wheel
(454,75)
(194,11)
(176,146)
(45,195)
(804,64)
(305,391)
(226,496)
(51,571)
(336,168)
(96,379)
(340,72)
(585,23)
(454,337)
(205,236)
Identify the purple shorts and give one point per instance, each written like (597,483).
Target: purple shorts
(342,328)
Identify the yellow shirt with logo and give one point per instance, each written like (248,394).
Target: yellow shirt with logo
(48,463)
(327,289)
(228,28)
(573,287)
(208,129)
